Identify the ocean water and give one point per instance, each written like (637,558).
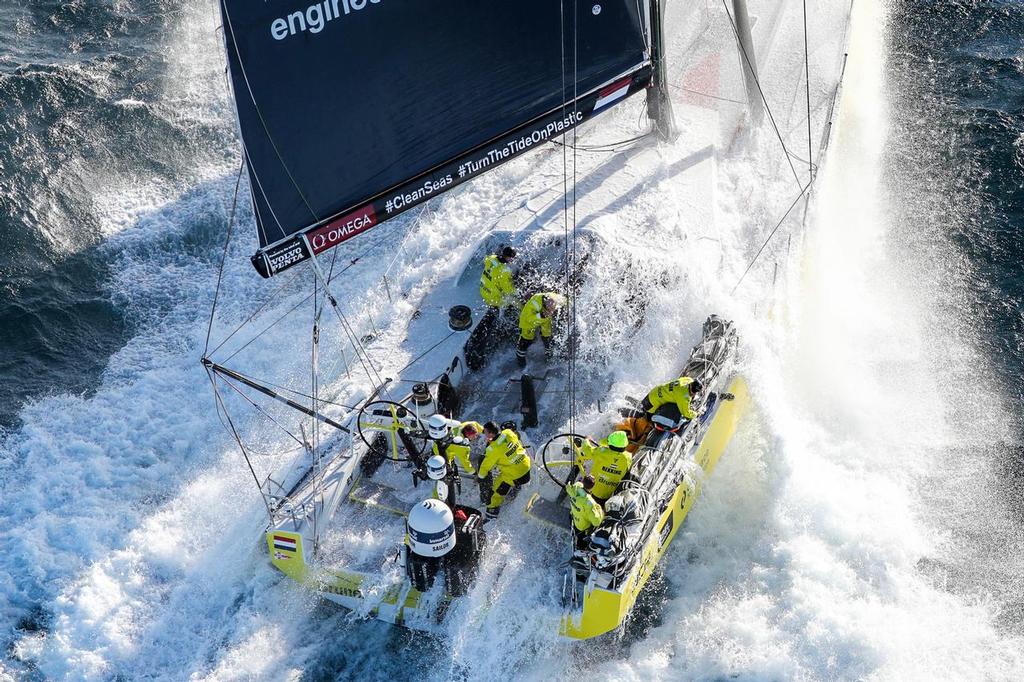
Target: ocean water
(867,524)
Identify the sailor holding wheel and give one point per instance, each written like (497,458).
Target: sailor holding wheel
(609,462)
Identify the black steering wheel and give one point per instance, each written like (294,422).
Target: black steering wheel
(384,424)
(562,444)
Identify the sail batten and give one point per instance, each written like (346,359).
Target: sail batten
(353,111)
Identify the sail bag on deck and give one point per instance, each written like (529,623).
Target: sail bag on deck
(353,111)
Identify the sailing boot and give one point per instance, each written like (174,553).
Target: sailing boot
(521,351)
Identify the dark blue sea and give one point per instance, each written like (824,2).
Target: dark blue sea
(118,156)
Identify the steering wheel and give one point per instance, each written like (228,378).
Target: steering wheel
(562,444)
(397,424)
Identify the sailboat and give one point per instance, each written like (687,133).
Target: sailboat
(353,112)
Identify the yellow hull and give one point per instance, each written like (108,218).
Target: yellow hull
(603,610)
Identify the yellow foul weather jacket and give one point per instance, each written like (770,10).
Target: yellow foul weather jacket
(496,287)
(531,318)
(677,392)
(607,466)
(586,512)
(507,454)
(457,448)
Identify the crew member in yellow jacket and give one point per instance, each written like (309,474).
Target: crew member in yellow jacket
(452,440)
(586,511)
(609,462)
(679,392)
(496,285)
(537,314)
(506,455)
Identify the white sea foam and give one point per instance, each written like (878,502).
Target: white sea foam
(134,525)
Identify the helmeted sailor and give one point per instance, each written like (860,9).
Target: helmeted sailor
(506,455)
(609,462)
(680,393)
(635,424)
(444,482)
(452,440)
(536,315)
(496,285)
(586,511)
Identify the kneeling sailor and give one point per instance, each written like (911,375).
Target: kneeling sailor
(680,392)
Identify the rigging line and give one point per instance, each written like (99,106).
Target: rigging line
(575,132)
(259,221)
(608,147)
(223,258)
(807,90)
(770,235)
(565,176)
(314,370)
(263,122)
(421,355)
(234,432)
(358,346)
(349,330)
(801,159)
(757,82)
(259,186)
(286,314)
(262,411)
(351,408)
(286,281)
(267,328)
(704,94)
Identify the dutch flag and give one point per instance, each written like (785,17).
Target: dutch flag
(612,93)
(286,544)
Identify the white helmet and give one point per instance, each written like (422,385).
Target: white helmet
(437,426)
(436,468)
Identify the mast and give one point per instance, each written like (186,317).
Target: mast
(659,106)
(748,59)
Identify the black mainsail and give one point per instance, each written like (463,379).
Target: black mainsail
(353,111)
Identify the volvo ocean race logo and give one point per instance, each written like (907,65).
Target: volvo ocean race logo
(292,253)
(315,17)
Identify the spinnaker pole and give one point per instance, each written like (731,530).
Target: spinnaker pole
(659,106)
